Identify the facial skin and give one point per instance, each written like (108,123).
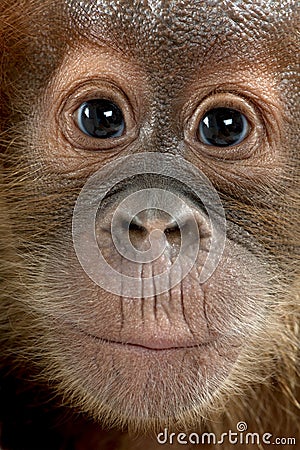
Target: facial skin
(204,355)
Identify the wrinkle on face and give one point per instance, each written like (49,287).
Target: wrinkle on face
(199,32)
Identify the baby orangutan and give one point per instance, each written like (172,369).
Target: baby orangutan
(149,224)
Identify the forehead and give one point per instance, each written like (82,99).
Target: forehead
(187,30)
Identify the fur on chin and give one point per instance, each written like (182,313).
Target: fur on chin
(148,399)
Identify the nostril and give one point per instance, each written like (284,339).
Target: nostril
(137,231)
(169,232)
(172,227)
(135,226)
(173,233)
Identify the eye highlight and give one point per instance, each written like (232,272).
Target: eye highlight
(100,118)
(223,127)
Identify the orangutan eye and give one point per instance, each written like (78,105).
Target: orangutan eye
(223,127)
(100,118)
